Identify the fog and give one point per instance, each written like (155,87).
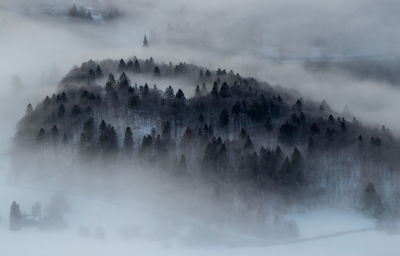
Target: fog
(269,40)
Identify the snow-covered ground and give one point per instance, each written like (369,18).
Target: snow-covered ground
(100,226)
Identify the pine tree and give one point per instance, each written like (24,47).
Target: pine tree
(29,109)
(156,71)
(166,132)
(15,216)
(75,111)
(372,201)
(123,82)
(224,118)
(121,65)
(41,135)
(197,92)
(214,91)
(224,91)
(99,72)
(297,163)
(128,141)
(180,95)
(169,93)
(136,67)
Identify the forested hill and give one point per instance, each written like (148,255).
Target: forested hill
(230,128)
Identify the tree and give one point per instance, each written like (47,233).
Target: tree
(224,91)
(224,118)
(236,108)
(214,91)
(99,72)
(314,129)
(91,74)
(201,118)
(268,123)
(111,79)
(197,92)
(180,95)
(297,163)
(73,12)
(54,133)
(147,141)
(29,109)
(156,71)
(287,133)
(75,111)
(41,135)
(128,140)
(108,143)
(129,65)
(15,216)
(299,104)
(136,67)
(166,131)
(61,111)
(123,82)
(372,202)
(87,136)
(169,93)
(121,65)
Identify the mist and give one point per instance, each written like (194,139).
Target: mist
(139,210)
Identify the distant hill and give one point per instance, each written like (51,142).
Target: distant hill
(230,130)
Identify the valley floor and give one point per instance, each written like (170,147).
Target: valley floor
(102,227)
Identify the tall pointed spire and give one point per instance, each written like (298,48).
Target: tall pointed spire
(145,42)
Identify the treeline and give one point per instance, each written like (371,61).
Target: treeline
(232,128)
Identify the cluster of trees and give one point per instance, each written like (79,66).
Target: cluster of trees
(232,128)
(53,218)
(88,13)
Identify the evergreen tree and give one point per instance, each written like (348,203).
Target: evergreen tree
(99,72)
(214,91)
(166,132)
(224,118)
(121,65)
(108,143)
(128,140)
(156,71)
(180,95)
(15,216)
(41,135)
(169,93)
(29,109)
(197,92)
(123,82)
(75,111)
(129,65)
(54,133)
(297,163)
(372,201)
(136,67)
(224,91)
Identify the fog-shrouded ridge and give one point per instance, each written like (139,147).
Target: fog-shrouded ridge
(236,143)
(243,127)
